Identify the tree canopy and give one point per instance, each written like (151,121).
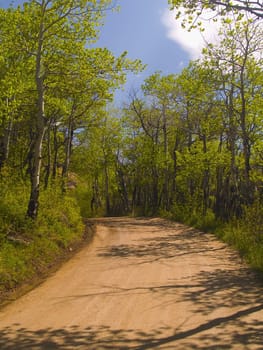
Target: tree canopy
(220,7)
(52,81)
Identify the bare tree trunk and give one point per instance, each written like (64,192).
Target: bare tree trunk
(95,202)
(68,147)
(48,166)
(166,200)
(107,194)
(174,175)
(5,143)
(122,188)
(206,178)
(5,139)
(247,188)
(55,159)
(33,204)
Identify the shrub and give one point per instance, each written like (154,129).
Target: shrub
(246,235)
(26,246)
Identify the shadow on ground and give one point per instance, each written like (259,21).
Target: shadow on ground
(103,338)
(179,240)
(228,284)
(237,291)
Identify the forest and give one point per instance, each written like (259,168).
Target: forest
(187,146)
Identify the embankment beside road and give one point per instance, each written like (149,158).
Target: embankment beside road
(37,259)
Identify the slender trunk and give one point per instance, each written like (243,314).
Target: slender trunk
(166,199)
(33,204)
(5,144)
(229,191)
(107,195)
(247,191)
(48,166)
(123,189)
(219,207)
(68,147)
(155,190)
(134,202)
(206,177)
(95,202)
(232,138)
(55,159)
(5,139)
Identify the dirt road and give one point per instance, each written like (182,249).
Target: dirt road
(141,284)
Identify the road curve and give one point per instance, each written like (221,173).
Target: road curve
(141,284)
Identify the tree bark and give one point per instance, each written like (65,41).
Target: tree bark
(5,139)
(5,143)
(68,147)
(33,204)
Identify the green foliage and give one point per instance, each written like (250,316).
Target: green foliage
(83,196)
(195,9)
(207,222)
(28,247)
(246,235)
(194,141)
(13,199)
(52,83)
(189,148)
(60,219)
(192,216)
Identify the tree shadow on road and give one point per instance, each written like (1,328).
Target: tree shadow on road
(227,284)
(177,241)
(224,289)
(105,338)
(238,292)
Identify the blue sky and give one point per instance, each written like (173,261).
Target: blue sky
(148,31)
(139,29)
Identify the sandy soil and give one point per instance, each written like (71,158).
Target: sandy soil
(141,284)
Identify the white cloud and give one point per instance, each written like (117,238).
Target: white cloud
(194,41)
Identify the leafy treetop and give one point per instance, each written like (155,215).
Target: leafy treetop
(195,8)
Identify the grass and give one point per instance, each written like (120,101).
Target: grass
(244,234)
(29,248)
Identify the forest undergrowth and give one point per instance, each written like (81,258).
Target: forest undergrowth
(29,249)
(244,234)
(186,146)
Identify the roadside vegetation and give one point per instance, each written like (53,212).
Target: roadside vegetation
(187,146)
(29,248)
(54,83)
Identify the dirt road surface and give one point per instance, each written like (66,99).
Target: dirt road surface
(141,284)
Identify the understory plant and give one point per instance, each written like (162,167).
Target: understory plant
(29,247)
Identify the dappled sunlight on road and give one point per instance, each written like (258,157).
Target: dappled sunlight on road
(142,284)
